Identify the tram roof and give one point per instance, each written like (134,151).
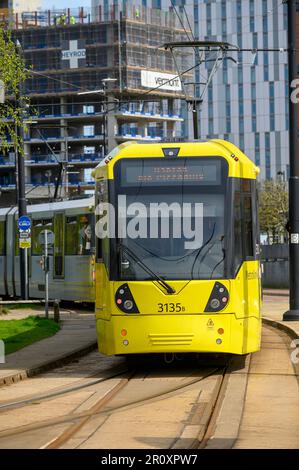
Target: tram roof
(239,164)
(53,206)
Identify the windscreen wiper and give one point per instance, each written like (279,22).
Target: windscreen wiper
(160,280)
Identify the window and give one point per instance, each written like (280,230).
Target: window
(71,236)
(253,123)
(241,130)
(2,238)
(239,8)
(228,125)
(37,227)
(248,242)
(79,235)
(266,73)
(243,222)
(240,74)
(88,131)
(59,246)
(88,109)
(102,244)
(171,251)
(237,228)
(253,107)
(223,9)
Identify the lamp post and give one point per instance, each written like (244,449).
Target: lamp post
(293,313)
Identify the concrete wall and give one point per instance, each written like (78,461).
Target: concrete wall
(275,264)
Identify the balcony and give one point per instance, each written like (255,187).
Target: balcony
(50,160)
(70,138)
(148,116)
(154,135)
(72,116)
(42,160)
(7,163)
(82,159)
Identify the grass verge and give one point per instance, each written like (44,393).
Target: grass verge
(17,334)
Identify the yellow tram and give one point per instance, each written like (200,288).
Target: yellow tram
(177,255)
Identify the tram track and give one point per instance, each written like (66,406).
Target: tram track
(60,391)
(103,407)
(180,406)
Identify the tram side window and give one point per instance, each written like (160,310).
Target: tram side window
(58,246)
(38,226)
(79,235)
(17,249)
(238,231)
(248,232)
(71,238)
(102,244)
(2,238)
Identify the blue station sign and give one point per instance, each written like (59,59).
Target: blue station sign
(24,223)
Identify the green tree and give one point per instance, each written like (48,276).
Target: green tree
(273,210)
(13,73)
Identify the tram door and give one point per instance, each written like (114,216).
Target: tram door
(58,253)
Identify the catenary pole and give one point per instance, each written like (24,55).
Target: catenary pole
(293,312)
(22,207)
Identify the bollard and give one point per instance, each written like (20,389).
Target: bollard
(56,310)
(2,352)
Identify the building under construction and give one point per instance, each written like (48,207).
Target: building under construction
(96,81)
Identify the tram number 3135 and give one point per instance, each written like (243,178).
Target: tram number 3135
(171,307)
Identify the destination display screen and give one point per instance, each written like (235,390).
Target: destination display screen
(156,172)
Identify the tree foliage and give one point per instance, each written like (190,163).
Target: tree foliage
(273,210)
(13,74)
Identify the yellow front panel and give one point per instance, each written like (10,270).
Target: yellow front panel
(193,329)
(187,333)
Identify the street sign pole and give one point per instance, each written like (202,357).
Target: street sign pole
(24,224)
(293,313)
(46,276)
(26,274)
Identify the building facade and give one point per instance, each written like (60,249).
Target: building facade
(95,82)
(247,100)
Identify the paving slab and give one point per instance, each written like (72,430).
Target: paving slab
(76,337)
(273,308)
(272,400)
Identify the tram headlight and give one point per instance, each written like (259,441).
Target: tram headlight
(215,303)
(128,304)
(124,300)
(218,299)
